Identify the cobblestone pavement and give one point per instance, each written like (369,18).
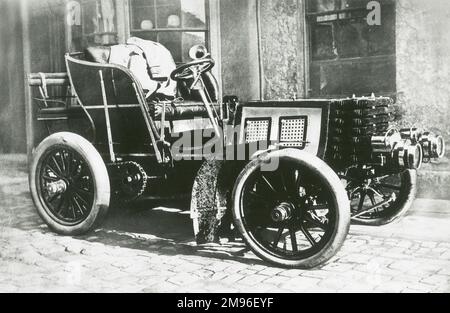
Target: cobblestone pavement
(152,251)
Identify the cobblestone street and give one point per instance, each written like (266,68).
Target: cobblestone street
(153,251)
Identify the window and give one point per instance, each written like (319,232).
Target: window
(91,22)
(347,55)
(177,24)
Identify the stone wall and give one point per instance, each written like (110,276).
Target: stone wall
(239,44)
(423,63)
(282,46)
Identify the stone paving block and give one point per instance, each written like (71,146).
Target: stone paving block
(300,284)
(203,273)
(429,244)
(407,278)
(218,266)
(392,287)
(445,255)
(429,267)
(445,245)
(276,280)
(252,280)
(218,276)
(438,280)
(404,244)
(375,279)
(183,279)
(410,290)
(233,278)
(420,287)
(339,267)
(320,274)
(291,273)
(247,271)
(403,265)
(270,271)
(333,283)
(162,288)
(235,268)
(357,287)
(445,270)
(187,267)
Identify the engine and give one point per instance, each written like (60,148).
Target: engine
(361,133)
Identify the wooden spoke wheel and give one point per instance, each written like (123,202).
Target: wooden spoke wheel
(69,184)
(380,200)
(295,216)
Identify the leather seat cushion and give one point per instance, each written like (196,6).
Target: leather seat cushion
(182,110)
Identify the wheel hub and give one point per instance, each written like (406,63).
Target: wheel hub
(283,212)
(56,188)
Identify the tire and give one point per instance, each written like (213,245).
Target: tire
(405,196)
(320,179)
(72,195)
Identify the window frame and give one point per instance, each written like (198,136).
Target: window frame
(180,30)
(308,50)
(85,36)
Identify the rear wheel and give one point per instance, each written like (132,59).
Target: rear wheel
(69,184)
(380,200)
(295,216)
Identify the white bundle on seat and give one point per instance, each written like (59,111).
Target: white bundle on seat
(150,62)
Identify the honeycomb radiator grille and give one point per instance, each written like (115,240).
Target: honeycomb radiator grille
(293,131)
(257,130)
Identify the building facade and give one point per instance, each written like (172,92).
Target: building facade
(264,49)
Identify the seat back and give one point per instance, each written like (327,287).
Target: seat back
(125,115)
(86,79)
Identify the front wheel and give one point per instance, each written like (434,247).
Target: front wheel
(296,216)
(69,184)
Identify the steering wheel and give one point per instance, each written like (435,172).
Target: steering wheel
(192,69)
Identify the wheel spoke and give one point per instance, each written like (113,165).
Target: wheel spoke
(63,161)
(293,240)
(60,205)
(53,198)
(65,208)
(47,177)
(361,200)
(297,181)
(77,192)
(69,161)
(283,181)
(308,236)
(59,172)
(316,223)
(84,203)
(388,186)
(72,208)
(80,207)
(278,237)
(268,183)
(372,198)
(47,166)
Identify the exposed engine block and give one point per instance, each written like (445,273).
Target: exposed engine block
(361,133)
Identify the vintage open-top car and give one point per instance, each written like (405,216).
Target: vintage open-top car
(289,175)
